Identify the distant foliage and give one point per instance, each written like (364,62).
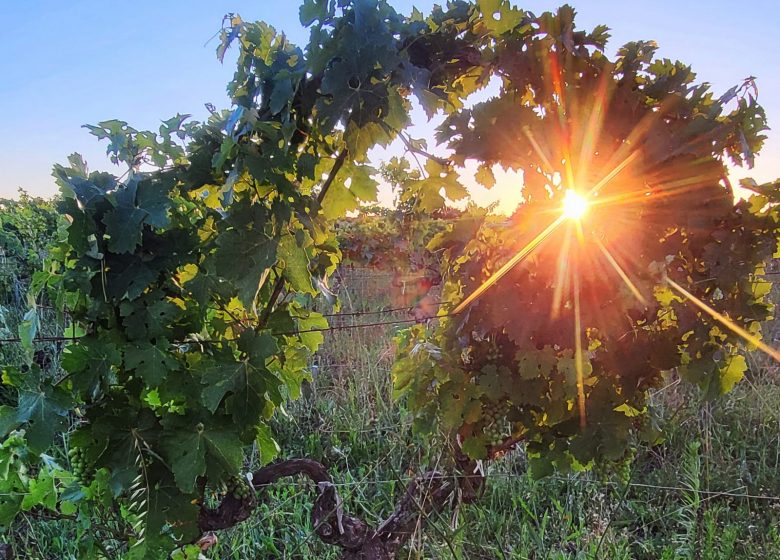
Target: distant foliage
(390,240)
(27,226)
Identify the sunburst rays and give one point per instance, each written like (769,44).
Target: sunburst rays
(623,276)
(579,361)
(580,123)
(725,321)
(527,250)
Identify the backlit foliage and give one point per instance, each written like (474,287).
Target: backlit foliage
(570,341)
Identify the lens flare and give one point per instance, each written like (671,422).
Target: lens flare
(728,323)
(510,264)
(574,205)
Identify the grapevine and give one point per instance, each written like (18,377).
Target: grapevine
(183,271)
(573,319)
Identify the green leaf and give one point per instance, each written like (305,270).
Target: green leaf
(360,139)
(248,380)
(8,419)
(267,445)
(151,361)
(91,365)
(499,15)
(538,363)
(45,413)
(245,262)
(475,447)
(168,506)
(312,10)
(361,182)
(353,185)
(28,328)
(10,506)
(154,199)
(129,277)
(148,318)
(188,451)
(540,467)
(484,176)
(281,95)
(41,492)
(124,226)
(310,321)
(628,410)
(338,201)
(491,382)
(296,265)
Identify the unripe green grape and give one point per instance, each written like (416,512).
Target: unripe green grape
(78,466)
(239,488)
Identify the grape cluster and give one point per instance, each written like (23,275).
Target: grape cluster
(78,464)
(239,487)
(623,466)
(494,421)
(616,471)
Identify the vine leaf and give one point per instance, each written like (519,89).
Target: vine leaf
(152,361)
(167,505)
(296,265)
(485,177)
(249,380)
(41,491)
(91,363)
(124,226)
(42,408)
(269,448)
(345,195)
(129,278)
(8,419)
(28,328)
(154,199)
(732,372)
(500,16)
(475,447)
(245,262)
(149,319)
(187,452)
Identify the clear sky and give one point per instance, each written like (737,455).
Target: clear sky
(65,64)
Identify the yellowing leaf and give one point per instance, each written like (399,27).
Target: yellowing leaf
(187,273)
(628,410)
(732,373)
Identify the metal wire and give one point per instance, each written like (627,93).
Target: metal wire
(582,481)
(16,340)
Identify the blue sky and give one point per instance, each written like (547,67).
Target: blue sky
(65,64)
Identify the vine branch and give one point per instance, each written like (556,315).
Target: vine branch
(415,150)
(431,491)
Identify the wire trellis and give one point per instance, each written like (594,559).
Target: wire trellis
(18,340)
(731,493)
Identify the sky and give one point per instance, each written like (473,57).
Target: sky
(66,64)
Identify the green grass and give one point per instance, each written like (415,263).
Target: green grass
(348,420)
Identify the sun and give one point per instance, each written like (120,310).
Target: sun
(574,205)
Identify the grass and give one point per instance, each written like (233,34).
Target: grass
(673,508)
